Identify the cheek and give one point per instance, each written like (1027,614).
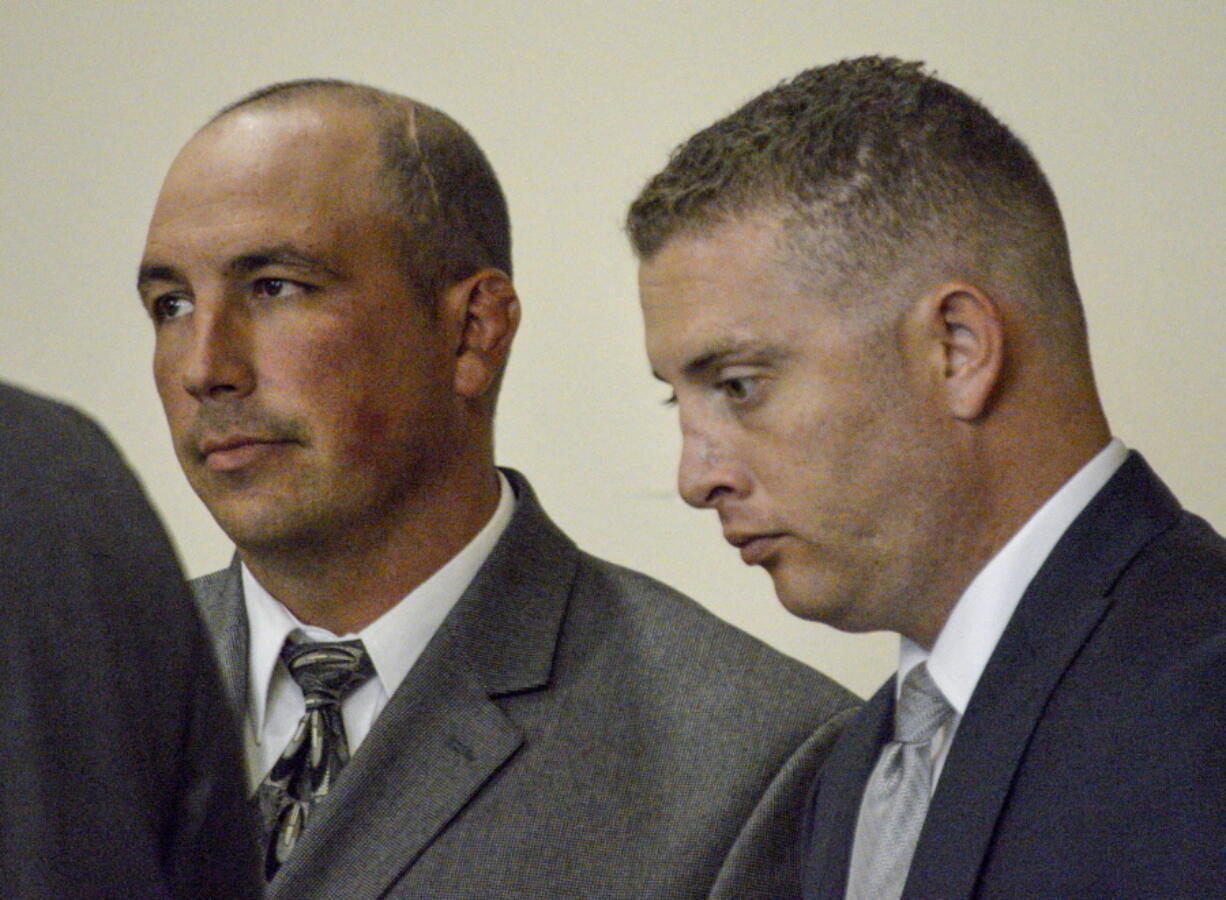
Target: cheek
(380,415)
(177,404)
(370,429)
(321,365)
(163,367)
(822,466)
(370,387)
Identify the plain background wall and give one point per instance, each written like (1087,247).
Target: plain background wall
(576,103)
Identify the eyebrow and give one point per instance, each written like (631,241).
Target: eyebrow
(720,351)
(284,255)
(151,272)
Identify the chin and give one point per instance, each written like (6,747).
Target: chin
(251,523)
(819,600)
(803,601)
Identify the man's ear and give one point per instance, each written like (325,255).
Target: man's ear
(963,331)
(486,311)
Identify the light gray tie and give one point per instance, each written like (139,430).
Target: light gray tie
(896,797)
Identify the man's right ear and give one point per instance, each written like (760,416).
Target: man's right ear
(962,332)
(486,310)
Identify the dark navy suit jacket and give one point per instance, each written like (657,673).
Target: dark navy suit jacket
(1091,761)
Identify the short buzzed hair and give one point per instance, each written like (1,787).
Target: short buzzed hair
(873,164)
(439,182)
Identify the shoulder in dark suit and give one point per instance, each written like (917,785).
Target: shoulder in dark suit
(120,759)
(1091,760)
(575,729)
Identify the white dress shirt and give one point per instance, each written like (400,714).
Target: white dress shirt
(394,641)
(979,618)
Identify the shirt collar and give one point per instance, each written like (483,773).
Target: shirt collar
(395,640)
(979,618)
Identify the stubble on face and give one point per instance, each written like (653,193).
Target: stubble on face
(343,380)
(839,456)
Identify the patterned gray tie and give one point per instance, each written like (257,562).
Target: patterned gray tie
(327,673)
(896,797)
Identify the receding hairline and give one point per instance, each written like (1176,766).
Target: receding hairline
(318,90)
(439,180)
(389,113)
(319,116)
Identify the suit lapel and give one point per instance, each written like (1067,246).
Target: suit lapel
(837,796)
(432,749)
(219,597)
(1056,616)
(442,736)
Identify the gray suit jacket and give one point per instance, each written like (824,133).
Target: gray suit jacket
(573,730)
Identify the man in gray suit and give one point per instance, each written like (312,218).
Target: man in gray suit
(328,273)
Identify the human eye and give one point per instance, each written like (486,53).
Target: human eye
(167,307)
(741,390)
(670,400)
(276,287)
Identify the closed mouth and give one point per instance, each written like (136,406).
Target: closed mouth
(235,451)
(755,548)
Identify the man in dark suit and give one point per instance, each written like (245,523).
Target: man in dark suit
(119,755)
(328,273)
(858,286)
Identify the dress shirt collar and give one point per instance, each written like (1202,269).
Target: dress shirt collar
(979,618)
(394,641)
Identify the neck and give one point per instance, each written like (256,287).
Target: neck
(345,584)
(1011,486)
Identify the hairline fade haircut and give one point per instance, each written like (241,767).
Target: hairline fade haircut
(877,170)
(439,181)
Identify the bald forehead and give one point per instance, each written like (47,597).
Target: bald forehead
(320,125)
(303,147)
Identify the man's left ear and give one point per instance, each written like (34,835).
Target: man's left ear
(486,308)
(965,333)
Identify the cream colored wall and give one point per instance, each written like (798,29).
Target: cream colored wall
(576,103)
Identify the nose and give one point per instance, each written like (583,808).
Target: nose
(708,474)
(216,360)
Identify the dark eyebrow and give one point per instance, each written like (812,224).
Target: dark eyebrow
(283,255)
(150,272)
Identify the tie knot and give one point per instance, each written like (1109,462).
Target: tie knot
(921,708)
(327,672)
